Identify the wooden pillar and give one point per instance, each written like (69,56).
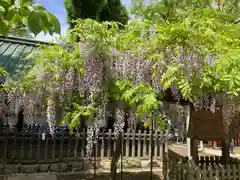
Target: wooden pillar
(192,144)
(225,158)
(201,145)
(194,149)
(20,119)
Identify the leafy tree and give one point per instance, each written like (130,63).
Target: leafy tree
(208,90)
(19,15)
(174,10)
(100,10)
(128,71)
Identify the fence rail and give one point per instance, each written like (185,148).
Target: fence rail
(207,168)
(29,147)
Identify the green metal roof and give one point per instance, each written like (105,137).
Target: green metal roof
(13,52)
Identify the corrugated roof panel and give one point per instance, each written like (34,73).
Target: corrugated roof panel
(13,52)
(6,56)
(23,63)
(4,47)
(10,66)
(13,57)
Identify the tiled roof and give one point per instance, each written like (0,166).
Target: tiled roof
(13,52)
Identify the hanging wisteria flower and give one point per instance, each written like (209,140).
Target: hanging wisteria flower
(119,123)
(51,113)
(132,119)
(92,136)
(30,108)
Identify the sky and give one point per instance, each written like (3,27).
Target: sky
(57,8)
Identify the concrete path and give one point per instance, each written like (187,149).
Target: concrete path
(207,150)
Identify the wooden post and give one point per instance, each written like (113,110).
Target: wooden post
(192,144)
(156,143)
(139,143)
(145,143)
(103,145)
(194,149)
(134,144)
(201,145)
(75,153)
(225,151)
(127,144)
(110,146)
(161,150)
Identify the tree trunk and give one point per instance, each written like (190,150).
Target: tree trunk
(115,158)
(225,152)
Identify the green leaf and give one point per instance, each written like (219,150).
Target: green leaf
(55,24)
(30,8)
(11,13)
(34,21)
(2,9)
(4,3)
(150,101)
(37,21)
(42,20)
(66,119)
(38,6)
(127,95)
(18,3)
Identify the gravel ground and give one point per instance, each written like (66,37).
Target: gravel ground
(125,176)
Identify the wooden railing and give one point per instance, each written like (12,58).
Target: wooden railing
(29,147)
(206,168)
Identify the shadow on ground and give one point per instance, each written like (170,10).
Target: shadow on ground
(125,176)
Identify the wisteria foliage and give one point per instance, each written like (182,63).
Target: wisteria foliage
(133,66)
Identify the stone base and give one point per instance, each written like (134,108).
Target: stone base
(78,166)
(41,176)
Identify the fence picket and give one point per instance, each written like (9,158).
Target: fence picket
(96,146)
(204,173)
(234,172)
(109,147)
(69,146)
(14,150)
(38,148)
(83,142)
(30,146)
(133,154)
(61,146)
(103,145)
(161,150)
(210,172)
(46,148)
(155,144)
(217,175)
(149,145)
(139,144)
(54,147)
(198,174)
(76,147)
(6,146)
(238,170)
(228,171)
(22,150)
(127,145)
(222,171)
